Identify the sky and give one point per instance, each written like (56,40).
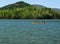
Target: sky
(47,3)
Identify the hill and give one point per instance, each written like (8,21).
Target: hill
(20,4)
(23,10)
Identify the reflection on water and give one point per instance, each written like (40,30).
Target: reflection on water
(24,32)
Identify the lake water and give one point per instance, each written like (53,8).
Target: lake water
(24,32)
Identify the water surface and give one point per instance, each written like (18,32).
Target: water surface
(24,32)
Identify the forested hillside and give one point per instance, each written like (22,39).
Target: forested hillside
(22,10)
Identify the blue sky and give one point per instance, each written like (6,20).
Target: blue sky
(48,3)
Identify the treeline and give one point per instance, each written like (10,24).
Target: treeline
(29,13)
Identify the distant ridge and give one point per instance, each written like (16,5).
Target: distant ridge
(39,6)
(56,9)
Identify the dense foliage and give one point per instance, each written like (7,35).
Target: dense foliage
(26,11)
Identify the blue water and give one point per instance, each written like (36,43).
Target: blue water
(24,32)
